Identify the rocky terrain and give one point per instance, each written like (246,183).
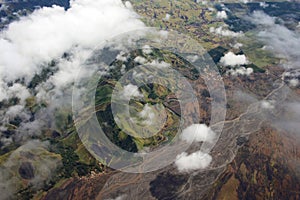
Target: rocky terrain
(256,156)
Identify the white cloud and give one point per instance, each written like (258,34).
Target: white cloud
(260,18)
(221,14)
(194,161)
(130,91)
(128,5)
(122,57)
(3,92)
(148,114)
(294,82)
(284,43)
(197,133)
(18,90)
(237,45)
(13,111)
(15,90)
(225,32)
(268,105)
(245,1)
(140,60)
(263,4)
(211,9)
(292,77)
(159,64)
(147,49)
(230,59)
(197,160)
(240,71)
(3,7)
(123,69)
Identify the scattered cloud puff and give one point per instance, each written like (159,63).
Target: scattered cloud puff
(140,60)
(128,5)
(294,82)
(211,9)
(292,77)
(122,57)
(221,14)
(224,7)
(16,90)
(147,49)
(268,105)
(237,45)
(130,91)
(230,59)
(197,133)
(197,160)
(159,64)
(3,7)
(245,1)
(148,114)
(260,18)
(240,71)
(225,32)
(194,161)
(263,4)
(17,110)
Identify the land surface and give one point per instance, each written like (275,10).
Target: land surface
(252,159)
